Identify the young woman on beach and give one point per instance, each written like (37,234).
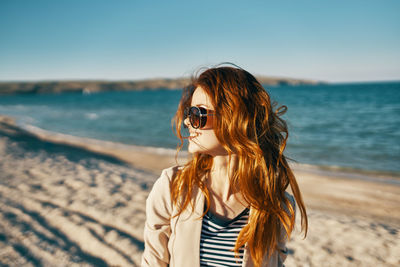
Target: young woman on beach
(228,205)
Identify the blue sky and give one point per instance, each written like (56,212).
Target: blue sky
(337,41)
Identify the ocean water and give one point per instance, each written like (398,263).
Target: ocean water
(341,126)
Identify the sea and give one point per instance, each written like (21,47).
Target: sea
(351,126)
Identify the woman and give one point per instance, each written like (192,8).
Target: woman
(227,206)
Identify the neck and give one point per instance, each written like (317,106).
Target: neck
(220,174)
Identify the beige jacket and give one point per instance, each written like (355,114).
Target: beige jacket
(175,241)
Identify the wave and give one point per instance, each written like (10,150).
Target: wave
(152,159)
(349,173)
(55,136)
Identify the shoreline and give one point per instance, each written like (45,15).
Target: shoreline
(166,156)
(131,154)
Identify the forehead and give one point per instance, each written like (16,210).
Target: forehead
(200,98)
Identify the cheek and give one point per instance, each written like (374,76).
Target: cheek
(211,139)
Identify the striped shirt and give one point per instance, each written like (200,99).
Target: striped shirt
(218,238)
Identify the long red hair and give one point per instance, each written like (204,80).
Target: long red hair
(246,125)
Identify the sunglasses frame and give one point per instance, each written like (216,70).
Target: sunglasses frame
(202,117)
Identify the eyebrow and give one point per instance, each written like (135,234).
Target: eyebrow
(205,106)
(202,105)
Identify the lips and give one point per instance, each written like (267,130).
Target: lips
(193,135)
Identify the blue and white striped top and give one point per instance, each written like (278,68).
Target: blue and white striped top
(218,238)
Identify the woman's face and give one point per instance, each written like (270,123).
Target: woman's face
(203,140)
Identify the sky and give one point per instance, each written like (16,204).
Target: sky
(332,41)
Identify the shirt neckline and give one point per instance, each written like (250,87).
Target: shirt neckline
(225,222)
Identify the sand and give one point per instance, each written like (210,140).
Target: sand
(68,201)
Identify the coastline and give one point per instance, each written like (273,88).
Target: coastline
(165,157)
(84,200)
(93,86)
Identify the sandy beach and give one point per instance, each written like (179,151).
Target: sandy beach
(69,201)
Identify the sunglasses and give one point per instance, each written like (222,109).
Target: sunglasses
(197,116)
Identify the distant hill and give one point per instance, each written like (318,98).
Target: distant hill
(98,86)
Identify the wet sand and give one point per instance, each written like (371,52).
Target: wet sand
(80,202)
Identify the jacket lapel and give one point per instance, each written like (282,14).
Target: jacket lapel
(193,224)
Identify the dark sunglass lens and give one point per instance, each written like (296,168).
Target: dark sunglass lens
(203,119)
(194,116)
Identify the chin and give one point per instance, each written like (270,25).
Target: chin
(195,148)
(192,148)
